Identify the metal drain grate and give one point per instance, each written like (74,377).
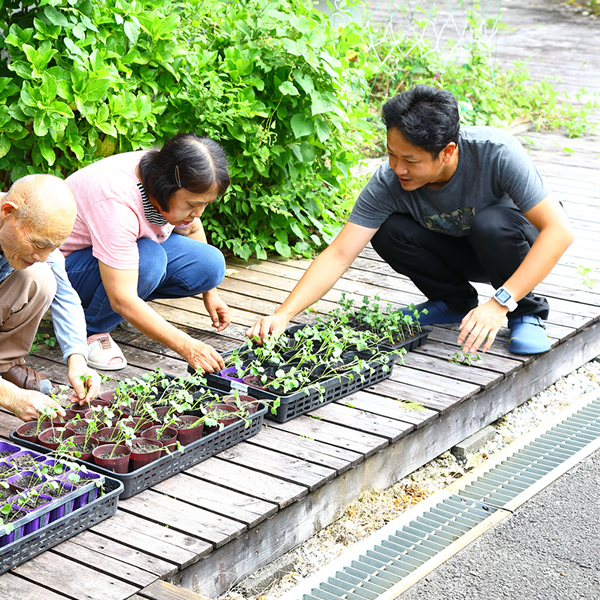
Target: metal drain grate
(390,560)
(400,553)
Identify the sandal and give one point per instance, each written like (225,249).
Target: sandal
(104,354)
(26,378)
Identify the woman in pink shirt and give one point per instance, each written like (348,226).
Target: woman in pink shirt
(122,251)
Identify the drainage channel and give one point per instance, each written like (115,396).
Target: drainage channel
(388,562)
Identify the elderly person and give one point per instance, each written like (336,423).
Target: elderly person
(138,237)
(36,217)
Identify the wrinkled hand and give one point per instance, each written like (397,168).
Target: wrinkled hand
(202,356)
(25,404)
(217,309)
(482,322)
(84,380)
(271,325)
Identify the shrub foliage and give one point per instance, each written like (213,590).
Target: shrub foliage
(269,80)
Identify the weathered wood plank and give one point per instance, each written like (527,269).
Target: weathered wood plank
(346,414)
(333,434)
(288,468)
(154,539)
(162,590)
(310,450)
(392,408)
(184,517)
(88,551)
(16,588)
(431,399)
(248,481)
(434,382)
(248,510)
(73,579)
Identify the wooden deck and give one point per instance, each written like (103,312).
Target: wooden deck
(226,517)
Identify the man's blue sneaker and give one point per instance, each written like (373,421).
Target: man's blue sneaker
(528,335)
(437,313)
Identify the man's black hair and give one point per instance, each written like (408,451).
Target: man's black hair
(185,161)
(426,116)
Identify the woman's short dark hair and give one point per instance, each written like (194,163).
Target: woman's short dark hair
(426,116)
(185,161)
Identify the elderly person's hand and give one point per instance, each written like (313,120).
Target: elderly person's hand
(84,380)
(202,356)
(27,404)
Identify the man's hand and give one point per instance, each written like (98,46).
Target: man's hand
(202,356)
(217,309)
(25,404)
(271,325)
(482,323)
(84,380)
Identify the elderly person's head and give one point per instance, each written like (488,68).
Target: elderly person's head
(36,216)
(186,175)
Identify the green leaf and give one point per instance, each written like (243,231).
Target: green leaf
(287,88)
(132,31)
(4,145)
(283,249)
(319,104)
(323,130)
(95,90)
(72,47)
(302,125)
(305,81)
(47,152)
(55,17)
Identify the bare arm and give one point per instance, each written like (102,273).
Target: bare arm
(121,288)
(319,278)
(554,238)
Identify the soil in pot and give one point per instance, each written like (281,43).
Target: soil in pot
(26,461)
(246,403)
(51,438)
(257,381)
(27,431)
(222,416)
(5,494)
(78,427)
(106,435)
(80,445)
(112,457)
(24,481)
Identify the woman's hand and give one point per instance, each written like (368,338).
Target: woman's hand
(202,356)
(217,309)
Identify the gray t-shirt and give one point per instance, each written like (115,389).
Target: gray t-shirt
(493,168)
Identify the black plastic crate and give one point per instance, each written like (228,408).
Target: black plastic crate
(24,548)
(166,466)
(308,398)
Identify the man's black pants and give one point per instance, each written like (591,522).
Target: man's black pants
(442,266)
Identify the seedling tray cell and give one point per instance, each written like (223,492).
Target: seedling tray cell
(163,468)
(50,534)
(413,342)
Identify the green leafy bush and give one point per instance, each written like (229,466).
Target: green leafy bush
(269,80)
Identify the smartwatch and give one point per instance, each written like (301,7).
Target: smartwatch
(504,297)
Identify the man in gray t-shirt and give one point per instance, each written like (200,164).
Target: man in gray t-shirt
(450,206)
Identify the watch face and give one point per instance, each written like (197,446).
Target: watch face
(502,296)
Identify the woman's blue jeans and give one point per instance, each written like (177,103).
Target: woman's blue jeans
(177,268)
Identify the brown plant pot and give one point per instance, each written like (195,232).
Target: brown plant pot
(92,443)
(248,403)
(169,434)
(100,402)
(61,432)
(27,430)
(190,434)
(107,397)
(139,424)
(141,459)
(75,425)
(225,419)
(119,463)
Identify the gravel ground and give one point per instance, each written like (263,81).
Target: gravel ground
(374,509)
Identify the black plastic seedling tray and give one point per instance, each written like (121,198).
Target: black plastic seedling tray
(309,398)
(165,467)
